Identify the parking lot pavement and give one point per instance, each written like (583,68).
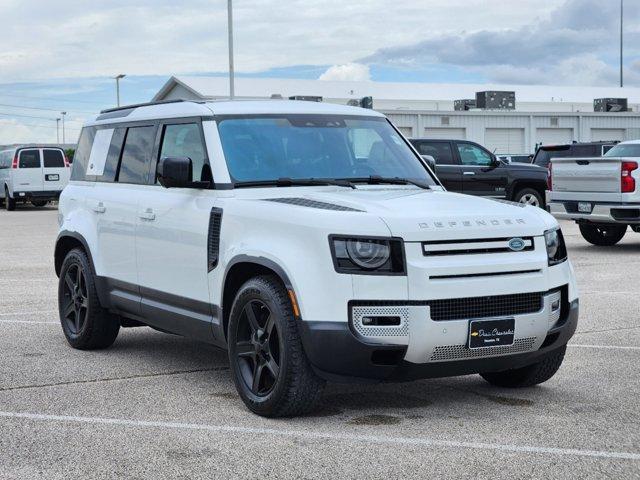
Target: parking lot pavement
(158,406)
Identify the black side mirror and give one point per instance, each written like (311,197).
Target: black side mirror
(175,172)
(430,161)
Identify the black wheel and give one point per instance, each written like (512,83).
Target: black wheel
(269,367)
(9,203)
(603,235)
(85,324)
(39,203)
(529,196)
(530,375)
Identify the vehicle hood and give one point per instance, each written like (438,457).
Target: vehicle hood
(416,215)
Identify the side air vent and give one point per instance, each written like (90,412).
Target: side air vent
(305,202)
(213,239)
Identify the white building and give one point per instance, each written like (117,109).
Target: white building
(543,114)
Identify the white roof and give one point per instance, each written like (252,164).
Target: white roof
(236,107)
(216,87)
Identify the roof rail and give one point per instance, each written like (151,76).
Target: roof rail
(146,104)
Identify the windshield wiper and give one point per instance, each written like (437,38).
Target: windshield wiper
(377,180)
(296,182)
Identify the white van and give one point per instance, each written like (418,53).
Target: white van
(32,174)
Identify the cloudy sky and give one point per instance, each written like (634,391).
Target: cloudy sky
(60,55)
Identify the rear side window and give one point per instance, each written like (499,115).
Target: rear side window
(440,151)
(29,159)
(81,158)
(53,158)
(136,155)
(184,140)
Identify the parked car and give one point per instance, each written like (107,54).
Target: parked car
(601,194)
(312,242)
(32,174)
(545,153)
(467,167)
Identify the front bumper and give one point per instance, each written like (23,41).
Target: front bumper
(337,353)
(627,213)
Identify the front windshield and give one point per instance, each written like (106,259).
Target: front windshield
(271,147)
(624,150)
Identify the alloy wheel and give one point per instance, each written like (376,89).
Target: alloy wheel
(530,199)
(76,304)
(258,348)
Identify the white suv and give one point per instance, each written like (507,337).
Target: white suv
(33,174)
(311,241)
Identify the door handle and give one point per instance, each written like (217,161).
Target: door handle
(468,173)
(100,208)
(148,215)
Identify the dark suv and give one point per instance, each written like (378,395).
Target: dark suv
(467,167)
(545,153)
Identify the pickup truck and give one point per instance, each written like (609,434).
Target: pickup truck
(601,194)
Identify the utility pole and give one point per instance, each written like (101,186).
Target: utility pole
(63,136)
(117,79)
(230,30)
(57,130)
(621,57)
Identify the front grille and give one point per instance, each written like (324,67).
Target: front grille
(457,352)
(476,246)
(485,307)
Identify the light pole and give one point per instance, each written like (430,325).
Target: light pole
(230,29)
(63,136)
(57,130)
(117,79)
(621,58)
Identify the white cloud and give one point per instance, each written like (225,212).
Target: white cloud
(355,72)
(73,38)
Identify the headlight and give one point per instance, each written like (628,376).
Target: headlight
(368,255)
(556,249)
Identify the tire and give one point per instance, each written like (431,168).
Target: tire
(264,343)
(9,203)
(530,375)
(39,203)
(86,325)
(529,196)
(603,235)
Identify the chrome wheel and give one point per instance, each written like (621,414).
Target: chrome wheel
(529,199)
(75,305)
(258,348)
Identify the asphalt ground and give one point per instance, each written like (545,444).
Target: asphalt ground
(160,406)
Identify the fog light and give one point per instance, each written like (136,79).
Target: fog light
(381,321)
(555,305)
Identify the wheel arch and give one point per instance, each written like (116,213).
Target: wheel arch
(66,242)
(537,185)
(240,269)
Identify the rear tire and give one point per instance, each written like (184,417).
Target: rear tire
(603,235)
(39,203)
(529,196)
(530,375)
(86,325)
(270,369)
(9,203)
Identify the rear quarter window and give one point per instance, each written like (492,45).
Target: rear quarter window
(53,158)
(81,158)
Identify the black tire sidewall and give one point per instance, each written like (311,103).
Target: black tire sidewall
(258,289)
(590,234)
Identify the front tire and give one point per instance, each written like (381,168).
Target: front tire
(86,325)
(530,375)
(529,196)
(270,369)
(603,235)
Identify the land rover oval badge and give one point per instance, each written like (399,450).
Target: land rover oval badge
(516,244)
